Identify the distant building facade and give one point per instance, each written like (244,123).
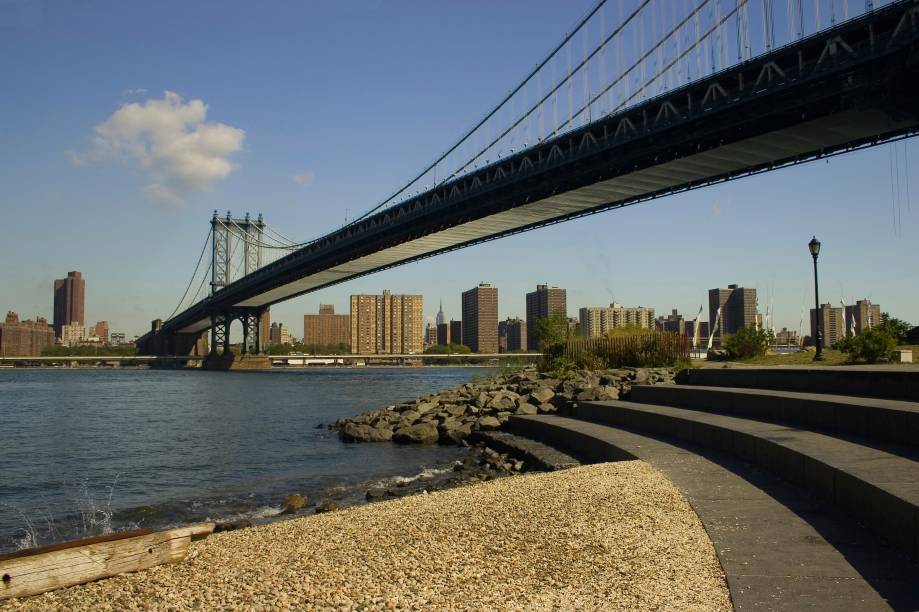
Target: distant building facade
(69,301)
(480,318)
(862,315)
(456,332)
(512,335)
(738,310)
(387,324)
(787,337)
(326,327)
(542,303)
(100,330)
(832,324)
(117,338)
(443,334)
(24,338)
(73,334)
(430,335)
(596,321)
(279,334)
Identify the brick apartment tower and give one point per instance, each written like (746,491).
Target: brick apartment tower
(480,318)
(69,296)
(541,304)
(387,324)
(738,310)
(326,327)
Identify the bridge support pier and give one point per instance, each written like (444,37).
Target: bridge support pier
(250,357)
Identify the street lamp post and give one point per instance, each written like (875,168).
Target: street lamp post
(814,247)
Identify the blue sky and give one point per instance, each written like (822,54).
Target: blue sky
(357,96)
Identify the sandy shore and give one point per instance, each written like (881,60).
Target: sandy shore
(609,536)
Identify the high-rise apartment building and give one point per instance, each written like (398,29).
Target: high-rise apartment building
(24,338)
(264,330)
(69,301)
(738,310)
(480,318)
(512,335)
(456,332)
(596,321)
(542,303)
(387,324)
(832,324)
(430,335)
(117,338)
(862,315)
(326,327)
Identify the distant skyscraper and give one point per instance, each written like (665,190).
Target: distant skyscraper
(456,332)
(279,334)
(862,315)
(832,324)
(542,303)
(387,324)
(69,301)
(441,319)
(443,334)
(326,327)
(480,318)
(738,310)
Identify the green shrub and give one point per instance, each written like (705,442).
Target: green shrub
(748,342)
(871,346)
(648,349)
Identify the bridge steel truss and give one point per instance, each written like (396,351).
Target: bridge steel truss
(848,87)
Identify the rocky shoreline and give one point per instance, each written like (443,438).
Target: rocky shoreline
(451,416)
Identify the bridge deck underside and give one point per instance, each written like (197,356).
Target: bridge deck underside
(776,147)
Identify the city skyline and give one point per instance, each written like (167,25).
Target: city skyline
(50,167)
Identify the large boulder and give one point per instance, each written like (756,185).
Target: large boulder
(504,400)
(527,408)
(423,433)
(594,394)
(424,407)
(408,418)
(488,422)
(454,431)
(359,432)
(542,395)
(481,400)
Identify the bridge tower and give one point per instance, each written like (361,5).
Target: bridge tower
(226,235)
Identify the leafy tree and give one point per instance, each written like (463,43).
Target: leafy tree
(871,346)
(553,333)
(896,328)
(748,342)
(627,330)
(451,349)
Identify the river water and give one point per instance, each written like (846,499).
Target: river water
(82,451)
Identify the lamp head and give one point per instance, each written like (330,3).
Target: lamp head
(814,247)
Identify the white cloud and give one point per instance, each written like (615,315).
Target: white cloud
(172,141)
(304,178)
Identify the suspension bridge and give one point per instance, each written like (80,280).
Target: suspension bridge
(640,100)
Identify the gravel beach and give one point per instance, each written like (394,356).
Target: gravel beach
(608,536)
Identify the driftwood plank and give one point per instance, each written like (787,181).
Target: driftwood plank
(47,570)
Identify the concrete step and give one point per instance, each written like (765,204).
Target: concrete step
(780,548)
(878,488)
(890,381)
(535,454)
(881,419)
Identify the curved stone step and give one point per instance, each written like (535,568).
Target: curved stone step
(878,488)
(882,419)
(780,549)
(890,381)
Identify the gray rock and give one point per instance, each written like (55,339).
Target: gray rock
(542,395)
(547,408)
(328,506)
(424,433)
(408,418)
(527,408)
(504,400)
(423,407)
(488,422)
(358,432)
(293,503)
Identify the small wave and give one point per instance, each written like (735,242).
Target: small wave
(423,474)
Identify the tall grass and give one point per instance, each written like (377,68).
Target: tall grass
(648,350)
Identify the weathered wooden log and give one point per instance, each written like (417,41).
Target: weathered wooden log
(36,570)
